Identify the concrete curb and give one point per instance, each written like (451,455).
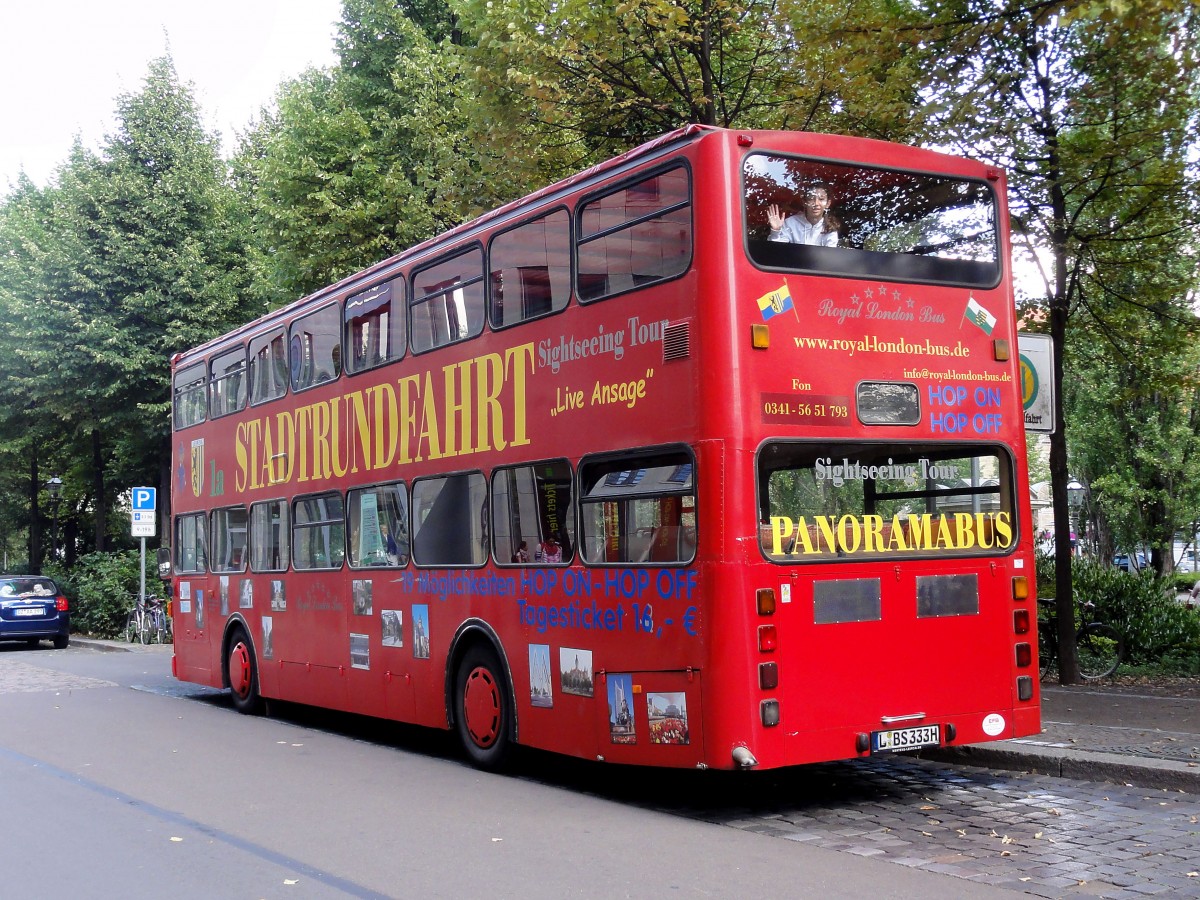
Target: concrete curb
(1081,765)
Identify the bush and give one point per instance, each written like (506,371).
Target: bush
(101,588)
(1158,629)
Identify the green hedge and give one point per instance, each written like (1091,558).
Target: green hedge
(101,588)
(1160,632)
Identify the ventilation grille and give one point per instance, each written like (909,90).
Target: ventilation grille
(677,341)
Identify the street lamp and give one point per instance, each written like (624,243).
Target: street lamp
(1075,495)
(54,489)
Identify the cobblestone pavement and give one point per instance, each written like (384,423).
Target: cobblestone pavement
(1045,836)
(20,677)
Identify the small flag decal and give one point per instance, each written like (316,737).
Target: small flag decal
(979,316)
(776,302)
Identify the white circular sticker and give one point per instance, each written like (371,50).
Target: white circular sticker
(993,724)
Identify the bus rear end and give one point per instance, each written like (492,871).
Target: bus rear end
(885,579)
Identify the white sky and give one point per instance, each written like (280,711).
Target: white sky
(63,65)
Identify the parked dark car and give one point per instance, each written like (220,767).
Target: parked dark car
(1123,562)
(32,609)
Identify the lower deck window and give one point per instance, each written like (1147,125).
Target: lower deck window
(638,508)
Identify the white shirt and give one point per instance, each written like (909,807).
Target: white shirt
(798,230)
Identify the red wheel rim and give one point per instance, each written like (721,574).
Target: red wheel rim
(481,707)
(240,670)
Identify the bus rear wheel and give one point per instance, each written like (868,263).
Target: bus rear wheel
(483,712)
(243,675)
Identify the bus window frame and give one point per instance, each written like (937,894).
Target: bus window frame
(578,240)
(295,368)
(218,538)
(844,261)
(295,525)
(251,542)
(407,520)
(201,566)
(214,380)
(184,397)
(490,272)
(629,459)
(570,524)
(414,527)
(281,332)
(937,450)
(447,255)
(397,281)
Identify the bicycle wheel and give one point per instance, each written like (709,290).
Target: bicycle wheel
(130,633)
(143,626)
(1100,648)
(1047,647)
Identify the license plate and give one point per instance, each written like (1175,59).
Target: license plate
(906,738)
(29,611)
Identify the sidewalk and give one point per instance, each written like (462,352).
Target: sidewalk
(1144,734)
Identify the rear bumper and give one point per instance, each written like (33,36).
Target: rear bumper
(22,630)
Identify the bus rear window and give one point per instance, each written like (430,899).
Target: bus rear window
(809,216)
(819,502)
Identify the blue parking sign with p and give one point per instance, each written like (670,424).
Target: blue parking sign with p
(144,498)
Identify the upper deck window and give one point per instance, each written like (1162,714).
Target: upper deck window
(819,502)
(228,378)
(374,322)
(190,397)
(635,236)
(316,351)
(869,222)
(448,301)
(530,269)
(268,367)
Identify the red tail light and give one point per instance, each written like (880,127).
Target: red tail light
(1024,655)
(766,638)
(1021,621)
(60,603)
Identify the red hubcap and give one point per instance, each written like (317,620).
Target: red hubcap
(481,707)
(239,670)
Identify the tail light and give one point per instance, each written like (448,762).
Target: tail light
(1020,587)
(768,676)
(1024,655)
(767,640)
(60,603)
(765,600)
(1021,621)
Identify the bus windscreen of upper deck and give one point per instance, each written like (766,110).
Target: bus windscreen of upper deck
(880,223)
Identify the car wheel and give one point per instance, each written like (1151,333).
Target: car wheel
(61,641)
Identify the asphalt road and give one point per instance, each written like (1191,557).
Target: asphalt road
(118,781)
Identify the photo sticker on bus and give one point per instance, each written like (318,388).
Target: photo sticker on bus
(268,633)
(392,625)
(541,685)
(420,623)
(620,710)
(575,668)
(668,717)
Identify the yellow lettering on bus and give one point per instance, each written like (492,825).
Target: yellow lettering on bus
(240,458)
(356,421)
(781,528)
(337,443)
(427,432)
(458,409)
(283,461)
(409,391)
(849,534)
(387,424)
(489,381)
(516,359)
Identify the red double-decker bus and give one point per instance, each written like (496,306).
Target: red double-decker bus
(711,455)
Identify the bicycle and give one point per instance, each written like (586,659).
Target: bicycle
(147,621)
(1099,648)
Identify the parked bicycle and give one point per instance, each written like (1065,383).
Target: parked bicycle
(1099,647)
(148,621)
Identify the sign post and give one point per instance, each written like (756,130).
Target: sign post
(1037,381)
(145,524)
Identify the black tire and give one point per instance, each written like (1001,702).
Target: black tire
(143,627)
(1100,648)
(483,713)
(243,675)
(130,633)
(61,641)
(1047,648)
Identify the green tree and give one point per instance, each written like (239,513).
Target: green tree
(1091,107)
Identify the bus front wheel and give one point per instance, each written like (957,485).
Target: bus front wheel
(483,713)
(243,675)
